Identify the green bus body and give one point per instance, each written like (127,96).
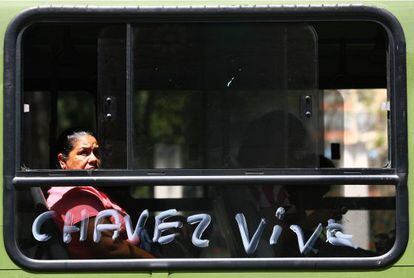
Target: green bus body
(404,267)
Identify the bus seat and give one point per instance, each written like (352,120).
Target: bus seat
(54,248)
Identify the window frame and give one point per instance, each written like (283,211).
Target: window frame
(396,175)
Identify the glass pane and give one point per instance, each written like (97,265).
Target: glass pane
(326,216)
(68,72)
(211,96)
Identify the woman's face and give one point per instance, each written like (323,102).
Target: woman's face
(83,156)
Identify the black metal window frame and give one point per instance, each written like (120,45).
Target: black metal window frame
(395,175)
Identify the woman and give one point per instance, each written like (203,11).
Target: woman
(79,151)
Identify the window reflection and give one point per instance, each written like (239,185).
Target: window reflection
(357,120)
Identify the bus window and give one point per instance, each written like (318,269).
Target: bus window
(234,139)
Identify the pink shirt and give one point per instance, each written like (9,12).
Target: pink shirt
(74,199)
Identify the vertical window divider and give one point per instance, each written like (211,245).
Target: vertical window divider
(129,96)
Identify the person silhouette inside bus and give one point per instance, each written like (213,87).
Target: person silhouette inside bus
(279,140)
(79,150)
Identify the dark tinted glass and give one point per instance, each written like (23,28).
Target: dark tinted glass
(209,95)
(248,95)
(226,96)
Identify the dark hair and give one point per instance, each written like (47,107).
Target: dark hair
(67,139)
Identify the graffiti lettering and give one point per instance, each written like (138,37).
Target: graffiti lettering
(111,220)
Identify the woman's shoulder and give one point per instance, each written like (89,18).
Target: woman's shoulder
(66,197)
